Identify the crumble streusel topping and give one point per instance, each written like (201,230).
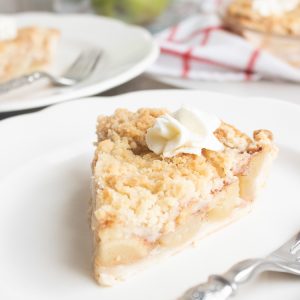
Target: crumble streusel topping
(148,193)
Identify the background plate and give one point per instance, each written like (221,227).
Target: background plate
(45,161)
(282,90)
(127,52)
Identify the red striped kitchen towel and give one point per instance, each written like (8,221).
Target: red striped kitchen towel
(199,48)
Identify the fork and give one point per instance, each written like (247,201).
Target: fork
(81,68)
(220,287)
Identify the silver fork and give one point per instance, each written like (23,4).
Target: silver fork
(82,67)
(220,287)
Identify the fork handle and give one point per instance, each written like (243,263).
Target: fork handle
(216,288)
(21,81)
(221,287)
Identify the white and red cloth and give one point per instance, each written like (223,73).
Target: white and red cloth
(199,48)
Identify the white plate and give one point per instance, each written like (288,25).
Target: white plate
(45,161)
(287,91)
(127,52)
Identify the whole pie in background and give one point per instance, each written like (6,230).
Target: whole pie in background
(269,16)
(272,25)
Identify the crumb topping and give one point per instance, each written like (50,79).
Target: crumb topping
(128,126)
(137,189)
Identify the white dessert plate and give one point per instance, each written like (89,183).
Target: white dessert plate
(127,52)
(45,174)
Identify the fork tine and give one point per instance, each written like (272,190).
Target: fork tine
(78,64)
(90,64)
(95,60)
(76,61)
(296,247)
(289,249)
(83,67)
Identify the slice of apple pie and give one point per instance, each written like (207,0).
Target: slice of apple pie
(31,49)
(161,181)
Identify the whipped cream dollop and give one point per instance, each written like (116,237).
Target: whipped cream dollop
(185,131)
(8,28)
(274,7)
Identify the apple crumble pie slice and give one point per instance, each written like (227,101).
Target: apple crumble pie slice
(200,175)
(30,50)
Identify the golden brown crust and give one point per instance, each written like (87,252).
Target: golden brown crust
(32,49)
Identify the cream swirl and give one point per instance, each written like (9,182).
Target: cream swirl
(8,28)
(185,131)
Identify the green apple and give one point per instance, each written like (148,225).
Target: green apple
(143,11)
(136,11)
(104,7)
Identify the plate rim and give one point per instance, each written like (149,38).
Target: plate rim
(56,106)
